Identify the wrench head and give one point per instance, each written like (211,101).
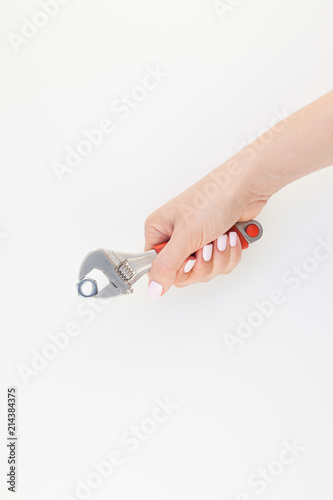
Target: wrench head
(102,260)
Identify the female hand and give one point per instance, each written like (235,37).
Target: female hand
(197,220)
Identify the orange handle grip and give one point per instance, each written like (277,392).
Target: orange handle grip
(159,247)
(251,229)
(243,241)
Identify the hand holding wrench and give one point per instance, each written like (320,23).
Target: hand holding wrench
(124,269)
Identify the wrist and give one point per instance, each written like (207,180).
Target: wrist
(260,172)
(243,178)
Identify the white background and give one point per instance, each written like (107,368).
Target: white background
(226,78)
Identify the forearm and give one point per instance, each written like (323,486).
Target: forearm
(297,146)
(196,220)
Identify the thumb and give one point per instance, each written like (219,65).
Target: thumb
(165,266)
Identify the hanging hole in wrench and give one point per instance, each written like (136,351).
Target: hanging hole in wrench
(87,288)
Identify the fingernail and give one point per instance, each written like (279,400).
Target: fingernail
(155,289)
(207,252)
(189,265)
(233,239)
(222,242)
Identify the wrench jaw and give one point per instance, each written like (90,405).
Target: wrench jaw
(111,291)
(121,269)
(100,259)
(132,266)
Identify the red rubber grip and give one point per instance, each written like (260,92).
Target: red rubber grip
(159,247)
(243,241)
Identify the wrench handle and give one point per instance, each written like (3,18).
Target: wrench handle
(159,247)
(248,232)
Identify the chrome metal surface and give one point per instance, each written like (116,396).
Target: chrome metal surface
(121,269)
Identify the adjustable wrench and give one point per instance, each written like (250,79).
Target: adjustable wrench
(123,269)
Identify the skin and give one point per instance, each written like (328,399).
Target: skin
(235,191)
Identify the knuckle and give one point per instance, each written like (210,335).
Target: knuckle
(180,285)
(149,222)
(227,271)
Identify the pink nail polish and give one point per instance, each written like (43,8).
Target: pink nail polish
(189,265)
(233,239)
(207,252)
(222,242)
(155,289)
